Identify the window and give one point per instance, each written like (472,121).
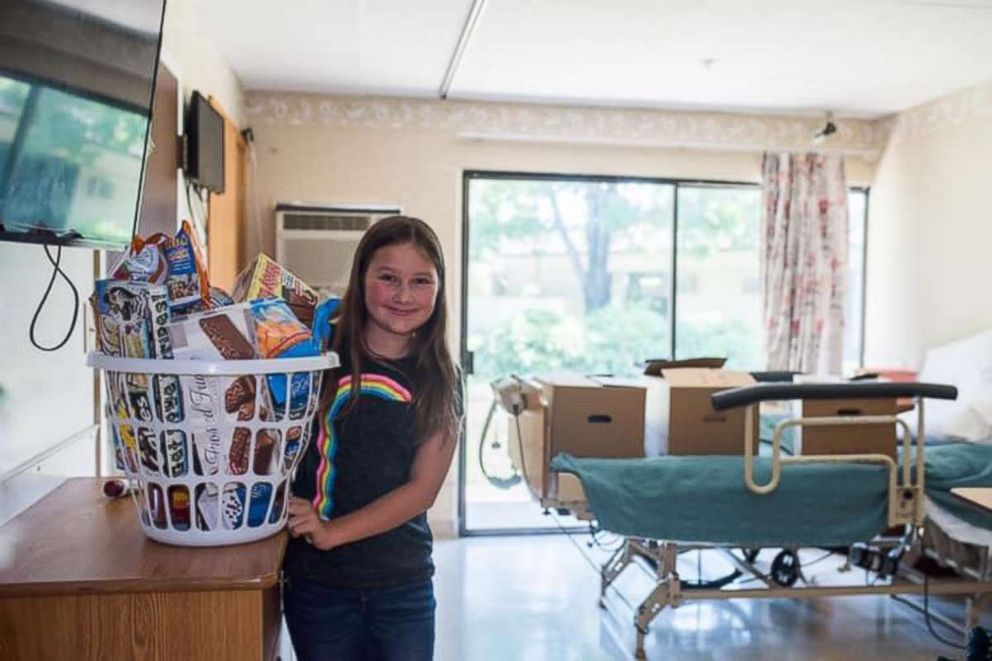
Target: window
(854,309)
(718,243)
(596,275)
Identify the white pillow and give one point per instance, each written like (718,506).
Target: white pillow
(966,364)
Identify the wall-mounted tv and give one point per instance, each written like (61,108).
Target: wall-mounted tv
(76,84)
(204,145)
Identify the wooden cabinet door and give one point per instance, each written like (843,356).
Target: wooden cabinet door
(226,217)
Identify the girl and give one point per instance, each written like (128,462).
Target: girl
(358,568)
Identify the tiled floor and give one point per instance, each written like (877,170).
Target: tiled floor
(535,598)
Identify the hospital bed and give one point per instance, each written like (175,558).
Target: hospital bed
(664,506)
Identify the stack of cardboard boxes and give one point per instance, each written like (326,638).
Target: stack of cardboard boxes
(664,412)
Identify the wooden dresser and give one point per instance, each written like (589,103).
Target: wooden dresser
(85,583)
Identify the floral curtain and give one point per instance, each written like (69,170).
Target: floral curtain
(804,261)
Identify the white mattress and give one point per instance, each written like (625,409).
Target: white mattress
(955,528)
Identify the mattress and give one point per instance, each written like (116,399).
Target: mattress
(704,499)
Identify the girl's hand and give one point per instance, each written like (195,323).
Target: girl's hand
(304,522)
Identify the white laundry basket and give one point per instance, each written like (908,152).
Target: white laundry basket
(211,445)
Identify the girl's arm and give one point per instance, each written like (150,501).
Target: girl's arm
(430,465)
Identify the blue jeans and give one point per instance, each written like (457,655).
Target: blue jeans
(391,624)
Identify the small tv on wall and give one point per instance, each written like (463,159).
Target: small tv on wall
(76,87)
(205,145)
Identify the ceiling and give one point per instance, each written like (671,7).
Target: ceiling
(856,58)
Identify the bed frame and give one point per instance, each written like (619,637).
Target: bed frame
(905,509)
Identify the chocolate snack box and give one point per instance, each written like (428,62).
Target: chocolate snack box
(187,279)
(226,333)
(211,402)
(127,313)
(266,278)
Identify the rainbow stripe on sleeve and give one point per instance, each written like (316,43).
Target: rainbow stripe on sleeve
(373,385)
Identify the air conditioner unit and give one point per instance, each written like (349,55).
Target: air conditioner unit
(317,243)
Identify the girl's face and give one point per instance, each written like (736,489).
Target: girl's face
(401,287)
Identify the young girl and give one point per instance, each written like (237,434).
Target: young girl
(358,568)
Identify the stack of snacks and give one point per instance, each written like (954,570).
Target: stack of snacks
(211,447)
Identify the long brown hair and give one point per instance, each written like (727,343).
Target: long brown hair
(434,402)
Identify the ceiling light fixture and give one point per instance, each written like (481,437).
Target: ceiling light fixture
(456,58)
(828,130)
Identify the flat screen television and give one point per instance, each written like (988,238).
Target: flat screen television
(204,145)
(76,85)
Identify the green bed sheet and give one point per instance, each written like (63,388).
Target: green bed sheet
(704,499)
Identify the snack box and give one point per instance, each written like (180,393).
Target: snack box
(226,333)
(131,318)
(266,278)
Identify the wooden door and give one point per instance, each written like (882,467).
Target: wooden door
(226,212)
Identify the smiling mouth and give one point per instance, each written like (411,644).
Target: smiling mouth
(401,313)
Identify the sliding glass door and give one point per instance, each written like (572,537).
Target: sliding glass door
(561,274)
(595,275)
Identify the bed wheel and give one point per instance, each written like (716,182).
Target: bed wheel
(785,568)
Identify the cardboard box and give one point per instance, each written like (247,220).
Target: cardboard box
(848,439)
(654,366)
(584,416)
(681,417)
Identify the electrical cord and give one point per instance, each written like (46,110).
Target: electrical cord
(198,215)
(823,557)
(57,270)
(498,482)
(926,616)
(591,562)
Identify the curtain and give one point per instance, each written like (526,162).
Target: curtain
(804,261)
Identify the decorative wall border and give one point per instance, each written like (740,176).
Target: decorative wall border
(581,125)
(956,109)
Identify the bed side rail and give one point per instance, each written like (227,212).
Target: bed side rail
(769,392)
(905,500)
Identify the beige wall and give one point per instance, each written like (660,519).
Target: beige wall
(330,150)
(195,61)
(930,229)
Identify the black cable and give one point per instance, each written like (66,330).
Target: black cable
(926,616)
(57,270)
(498,482)
(813,562)
(189,203)
(596,532)
(592,563)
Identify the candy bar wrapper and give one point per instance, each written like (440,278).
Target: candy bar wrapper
(212,404)
(227,333)
(124,310)
(218,299)
(144,262)
(229,507)
(300,390)
(323,326)
(187,279)
(158,322)
(278,333)
(294,443)
(266,278)
(108,341)
(263,457)
(203,409)
(148,450)
(178,506)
